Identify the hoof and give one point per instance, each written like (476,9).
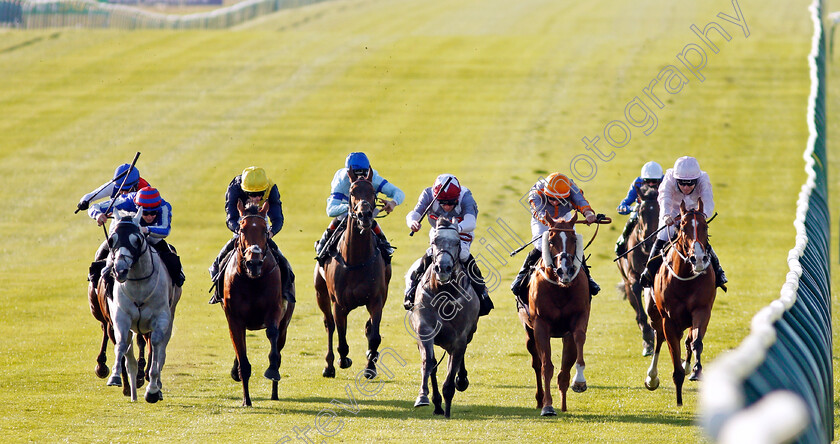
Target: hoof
(345,362)
(329,372)
(439,411)
(579,387)
(421,401)
(694,376)
(652,384)
(234,374)
(272,374)
(370,373)
(548,411)
(102,371)
(647,350)
(152,398)
(461,384)
(115,381)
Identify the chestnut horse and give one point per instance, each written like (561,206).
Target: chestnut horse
(558,307)
(633,263)
(253,299)
(446,315)
(683,296)
(357,276)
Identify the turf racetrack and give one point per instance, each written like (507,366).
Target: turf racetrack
(496,92)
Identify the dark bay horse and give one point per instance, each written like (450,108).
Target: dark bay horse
(683,296)
(445,314)
(558,307)
(357,276)
(253,298)
(633,263)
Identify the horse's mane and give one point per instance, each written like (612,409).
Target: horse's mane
(251,209)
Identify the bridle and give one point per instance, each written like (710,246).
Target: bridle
(253,248)
(680,242)
(134,252)
(563,256)
(440,252)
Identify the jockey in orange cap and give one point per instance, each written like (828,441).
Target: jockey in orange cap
(552,197)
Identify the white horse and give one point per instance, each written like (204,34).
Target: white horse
(144,301)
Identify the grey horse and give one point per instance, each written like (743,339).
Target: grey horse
(144,301)
(445,314)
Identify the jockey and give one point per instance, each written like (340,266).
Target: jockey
(156,224)
(683,183)
(553,197)
(457,204)
(356,166)
(253,186)
(110,189)
(652,177)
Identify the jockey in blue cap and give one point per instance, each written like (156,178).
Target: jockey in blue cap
(356,166)
(156,224)
(253,186)
(651,176)
(112,188)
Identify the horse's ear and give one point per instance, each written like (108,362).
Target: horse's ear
(264,209)
(240,207)
(574,217)
(370,174)
(682,207)
(700,204)
(138,216)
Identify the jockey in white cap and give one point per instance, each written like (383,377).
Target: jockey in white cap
(651,176)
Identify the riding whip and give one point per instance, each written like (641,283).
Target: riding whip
(84,205)
(111,205)
(426,211)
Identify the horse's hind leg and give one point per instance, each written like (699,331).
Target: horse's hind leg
(101,359)
(641,318)
(237,336)
(436,399)
(281,342)
(374,339)
(461,380)
(158,341)
(329,324)
(142,371)
(567,361)
(456,359)
(272,332)
(536,364)
(131,370)
(673,336)
(427,362)
(543,345)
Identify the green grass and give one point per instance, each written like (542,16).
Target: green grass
(496,92)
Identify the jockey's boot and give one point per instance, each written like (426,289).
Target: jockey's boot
(286,273)
(653,263)
(474,273)
(720,276)
(520,282)
(216,272)
(384,246)
(414,280)
(172,262)
(321,244)
(621,243)
(594,288)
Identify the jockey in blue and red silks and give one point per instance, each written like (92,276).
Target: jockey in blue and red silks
(356,166)
(457,204)
(253,186)
(684,183)
(651,176)
(551,197)
(156,224)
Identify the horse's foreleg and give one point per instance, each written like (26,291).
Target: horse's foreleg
(272,332)
(158,341)
(340,315)
(131,370)
(142,372)
(673,336)
(427,365)
(579,334)
(542,338)
(567,361)
(461,380)
(237,336)
(122,336)
(536,364)
(374,339)
(329,325)
(456,358)
(635,292)
(281,342)
(101,359)
(436,399)
(686,364)
(700,322)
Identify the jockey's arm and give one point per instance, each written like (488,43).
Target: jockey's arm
(387,188)
(275,210)
(413,216)
(107,189)
(632,194)
(337,204)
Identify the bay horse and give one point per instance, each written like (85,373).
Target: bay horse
(633,263)
(143,302)
(253,297)
(357,276)
(558,307)
(445,314)
(682,298)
